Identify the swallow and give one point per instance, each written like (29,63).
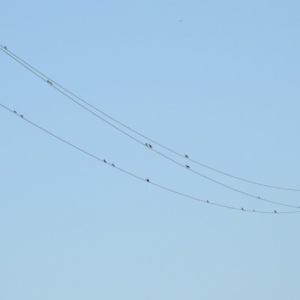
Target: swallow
(242,209)
(104,160)
(15,112)
(146,145)
(187,166)
(207,201)
(150,146)
(5,47)
(48,81)
(21,116)
(258,197)
(147,180)
(113,165)
(275,211)
(186,156)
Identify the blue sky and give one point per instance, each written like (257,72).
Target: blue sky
(217,80)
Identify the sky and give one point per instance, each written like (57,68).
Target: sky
(215,80)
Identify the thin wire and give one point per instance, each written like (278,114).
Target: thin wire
(11,54)
(36,72)
(28,67)
(141,178)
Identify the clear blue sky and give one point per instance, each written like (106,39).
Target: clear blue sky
(218,80)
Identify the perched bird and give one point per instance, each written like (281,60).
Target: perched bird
(113,165)
(207,201)
(187,166)
(104,160)
(258,197)
(21,116)
(5,47)
(242,209)
(147,180)
(186,156)
(253,210)
(150,146)
(15,112)
(146,145)
(275,211)
(49,82)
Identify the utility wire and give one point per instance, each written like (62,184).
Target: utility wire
(139,177)
(18,59)
(36,72)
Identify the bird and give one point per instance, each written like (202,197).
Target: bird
(104,160)
(207,201)
(146,145)
(186,156)
(5,47)
(147,180)
(21,116)
(150,146)
(253,210)
(15,112)
(49,82)
(113,165)
(187,166)
(275,211)
(242,209)
(258,197)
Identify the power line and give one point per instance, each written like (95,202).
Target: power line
(36,72)
(141,178)
(22,62)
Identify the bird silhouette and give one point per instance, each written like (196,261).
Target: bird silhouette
(5,47)
(242,209)
(186,156)
(104,160)
(146,145)
(113,165)
(207,201)
(147,180)
(49,82)
(21,116)
(15,112)
(187,166)
(275,211)
(150,146)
